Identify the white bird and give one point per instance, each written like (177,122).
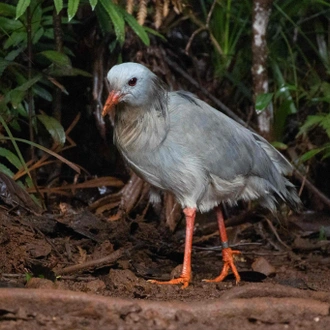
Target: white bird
(180,144)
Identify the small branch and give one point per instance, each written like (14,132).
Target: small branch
(309,185)
(192,37)
(203,27)
(110,259)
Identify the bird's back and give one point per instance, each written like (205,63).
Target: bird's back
(234,163)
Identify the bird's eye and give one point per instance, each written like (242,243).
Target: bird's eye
(132,82)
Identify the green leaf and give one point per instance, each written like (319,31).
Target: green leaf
(13,141)
(14,53)
(36,37)
(279,145)
(72,8)
(11,157)
(3,65)
(93,3)
(6,170)
(154,32)
(8,24)
(309,154)
(54,128)
(137,28)
(29,83)
(57,58)
(21,7)
(16,97)
(7,10)
(325,124)
(43,93)
(15,39)
(116,18)
(103,19)
(58,5)
(15,125)
(263,100)
(310,122)
(326,153)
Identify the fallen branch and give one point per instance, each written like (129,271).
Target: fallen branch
(110,259)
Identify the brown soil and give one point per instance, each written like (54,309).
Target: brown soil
(79,271)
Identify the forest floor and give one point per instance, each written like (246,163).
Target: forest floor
(80,271)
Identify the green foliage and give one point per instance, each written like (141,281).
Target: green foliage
(299,55)
(136,27)
(229,25)
(72,8)
(321,120)
(93,3)
(54,128)
(21,85)
(58,5)
(21,7)
(115,14)
(116,18)
(263,101)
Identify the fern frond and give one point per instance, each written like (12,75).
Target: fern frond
(130,6)
(142,12)
(177,6)
(166,8)
(158,18)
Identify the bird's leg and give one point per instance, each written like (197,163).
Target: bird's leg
(227,252)
(185,276)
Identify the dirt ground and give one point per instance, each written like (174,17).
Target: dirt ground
(80,271)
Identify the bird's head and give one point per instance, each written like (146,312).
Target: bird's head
(132,84)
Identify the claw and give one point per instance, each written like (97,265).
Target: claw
(180,280)
(228,259)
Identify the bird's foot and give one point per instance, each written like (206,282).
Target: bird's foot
(184,280)
(228,259)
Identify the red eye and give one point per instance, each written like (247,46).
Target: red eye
(132,82)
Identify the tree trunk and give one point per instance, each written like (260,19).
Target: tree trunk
(260,18)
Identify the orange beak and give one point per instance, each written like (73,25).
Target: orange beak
(113,99)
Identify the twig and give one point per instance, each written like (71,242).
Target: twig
(309,185)
(303,181)
(192,38)
(276,233)
(203,27)
(110,259)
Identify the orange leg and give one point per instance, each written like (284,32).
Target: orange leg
(227,252)
(185,276)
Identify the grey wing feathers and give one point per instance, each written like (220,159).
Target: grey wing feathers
(278,160)
(234,151)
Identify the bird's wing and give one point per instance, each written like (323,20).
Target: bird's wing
(225,147)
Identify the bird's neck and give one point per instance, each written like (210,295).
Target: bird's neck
(141,128)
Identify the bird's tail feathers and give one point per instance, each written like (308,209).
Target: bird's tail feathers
(282,165)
